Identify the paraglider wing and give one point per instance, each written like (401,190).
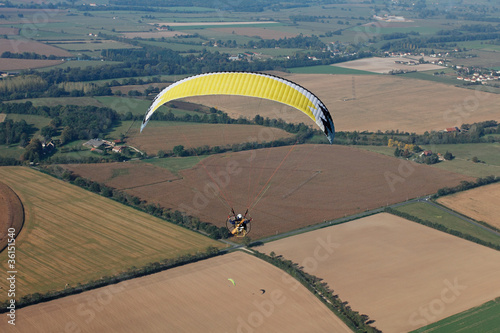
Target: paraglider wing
(248,84)
(232,281)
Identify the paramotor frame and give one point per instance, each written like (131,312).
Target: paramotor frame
(239,227)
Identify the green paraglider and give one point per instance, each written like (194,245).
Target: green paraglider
(232,281)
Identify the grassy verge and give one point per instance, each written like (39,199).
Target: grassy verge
(483,318)
(448,223)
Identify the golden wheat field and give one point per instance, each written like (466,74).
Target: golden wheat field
(481,204)
(73,236)
(401,274)
(196,297)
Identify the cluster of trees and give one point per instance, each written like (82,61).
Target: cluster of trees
(167,214)
(15,132)
(441,227)
(356,321)
(78,122)
(27,55)
(127,274)
(412,43)
(301,42)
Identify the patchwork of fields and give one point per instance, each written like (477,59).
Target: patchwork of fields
(193,298)
(73,236)
(403,275)
(481,204)
(372,103)
(287,187)
(400,273)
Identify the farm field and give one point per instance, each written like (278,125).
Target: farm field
(384,65)
(483,318)
(433,214)
(462,162)
(11,216)
(192,298)
(381,103)
(27,45)
(401,274)
(7,64)
(481,204)
(166,135)
(314,183)
(72,236)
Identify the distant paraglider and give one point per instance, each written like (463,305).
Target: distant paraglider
(232,281)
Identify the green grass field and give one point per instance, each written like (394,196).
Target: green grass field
(53,101)
(487,153)
(72,235)
(484,319)
(36,121)
(436,215)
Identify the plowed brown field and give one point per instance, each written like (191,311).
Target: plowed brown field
(11,214)
(401,274)
(193,298)
(157,136)
(26,45)
(286,188)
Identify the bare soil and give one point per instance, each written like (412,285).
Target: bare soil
(20,46)
(385,65)
(156,137)
(401,274)
(11,214)
(7,64)
(286,188)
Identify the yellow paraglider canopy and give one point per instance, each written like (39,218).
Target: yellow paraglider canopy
(248,84)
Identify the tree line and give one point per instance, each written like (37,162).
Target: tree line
(356,321)
(466,185)
(15,132)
